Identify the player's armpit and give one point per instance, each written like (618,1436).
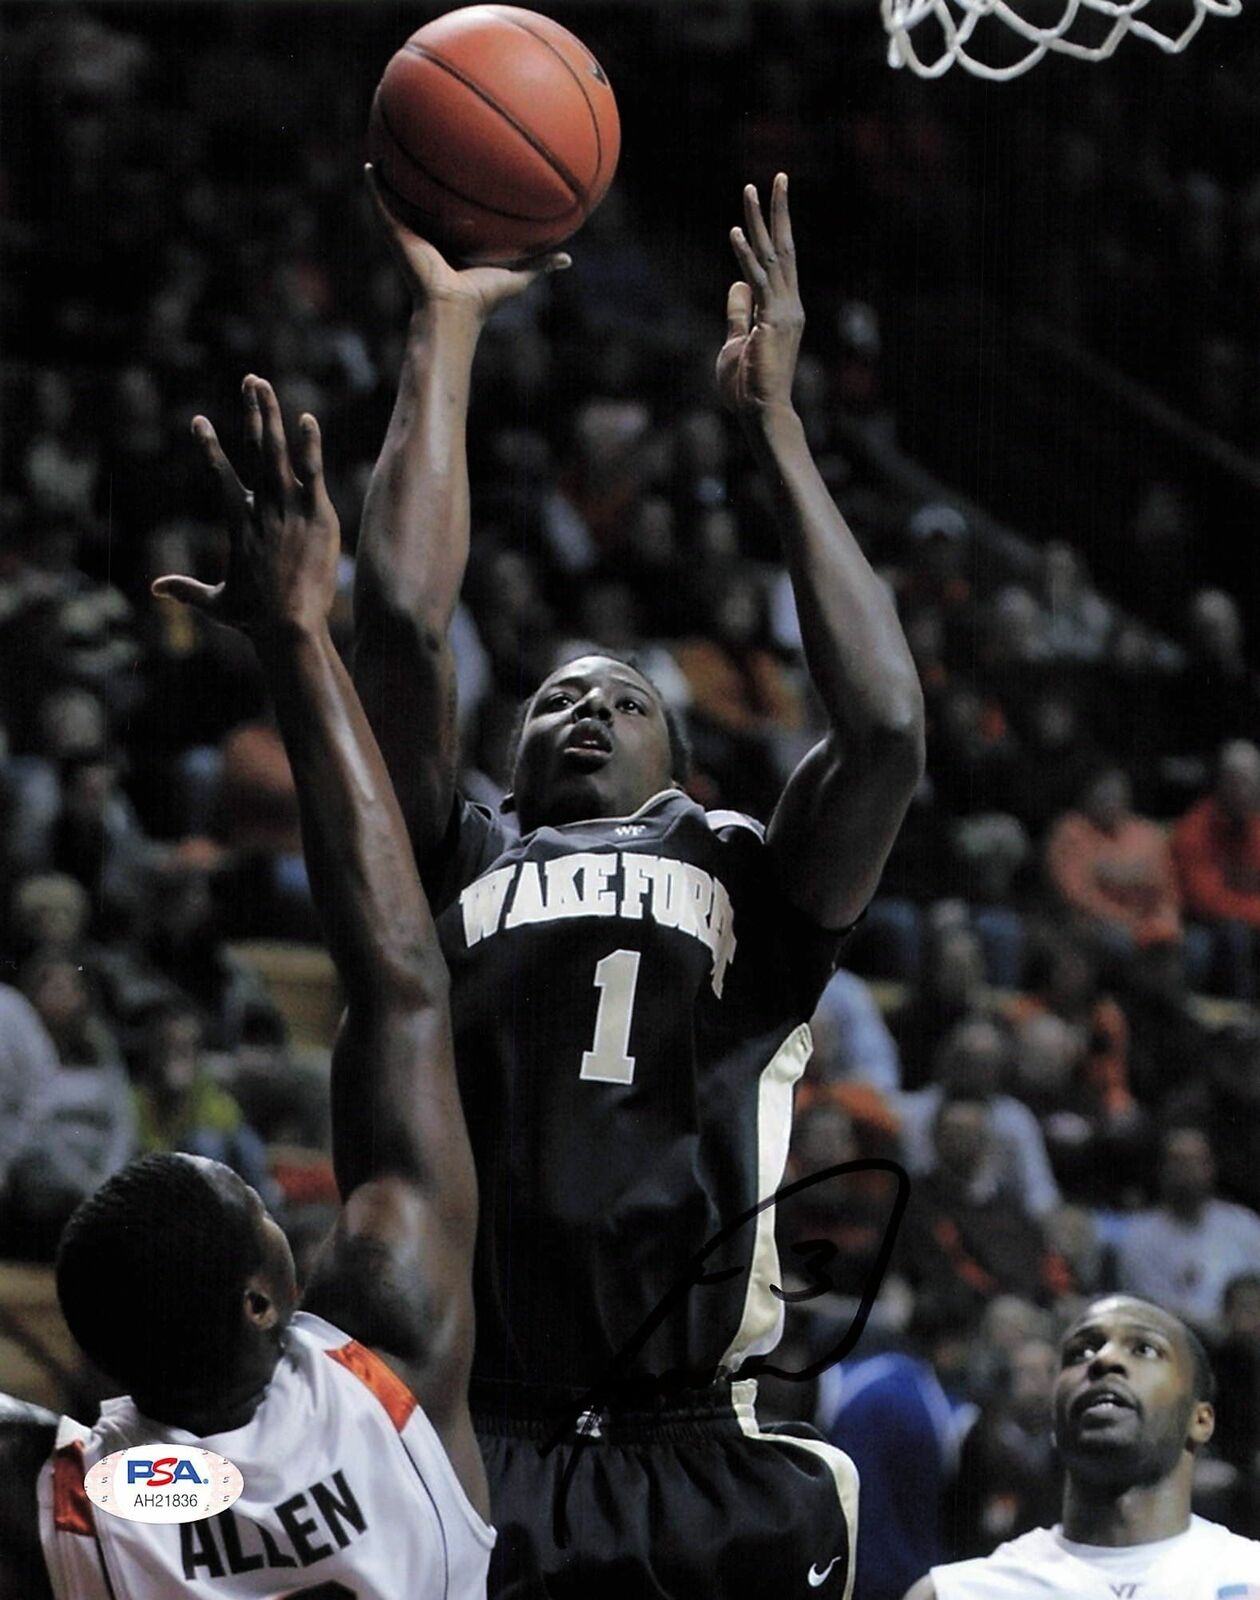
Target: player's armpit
(390,1275)
(925,1589)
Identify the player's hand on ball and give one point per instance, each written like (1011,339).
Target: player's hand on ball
(764,316)
(285,538)
(433,280)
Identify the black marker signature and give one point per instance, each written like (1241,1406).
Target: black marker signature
(618,1383)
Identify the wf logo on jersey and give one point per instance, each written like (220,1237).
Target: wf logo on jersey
(153,1483)
(674,894)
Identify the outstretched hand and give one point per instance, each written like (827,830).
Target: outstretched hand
(432,279)
(764,316)
(285,536)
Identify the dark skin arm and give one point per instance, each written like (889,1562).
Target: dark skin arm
(396,1271)
(842,808)
(413,542)
(27,1435)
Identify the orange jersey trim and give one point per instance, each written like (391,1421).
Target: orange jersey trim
(386,1385)
(72,1510)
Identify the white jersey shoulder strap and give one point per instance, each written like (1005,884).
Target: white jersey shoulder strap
(67,1521)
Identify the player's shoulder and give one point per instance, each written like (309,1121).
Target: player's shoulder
(1229,1213)
(734,825)
(313,1348)
(1214,1538)
(1144,1226)
(1030,1546)
(999,1575)
(478,827)
(308,1329)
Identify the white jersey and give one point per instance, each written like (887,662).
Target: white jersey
(348,1493)
(1206,1562)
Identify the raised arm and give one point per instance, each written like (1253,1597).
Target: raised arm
(843,806)
(413,543)
(396,1272)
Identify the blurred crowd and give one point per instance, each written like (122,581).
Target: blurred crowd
(1047,1015)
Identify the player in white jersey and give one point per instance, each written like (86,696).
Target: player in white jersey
(349,1417)
(1133,1406)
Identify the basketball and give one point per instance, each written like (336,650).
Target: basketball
(494,133)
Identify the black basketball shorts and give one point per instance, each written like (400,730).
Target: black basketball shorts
(691,1502)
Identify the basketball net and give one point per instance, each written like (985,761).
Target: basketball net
(956,22)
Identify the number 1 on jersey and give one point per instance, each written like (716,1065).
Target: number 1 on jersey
(609,1059)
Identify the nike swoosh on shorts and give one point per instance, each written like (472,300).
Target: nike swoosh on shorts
(816,1578)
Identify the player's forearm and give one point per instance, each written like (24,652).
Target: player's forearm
(413,549)
(363,873)
(413,543)
(856,652)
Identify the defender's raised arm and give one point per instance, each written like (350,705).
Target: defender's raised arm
(396,1271)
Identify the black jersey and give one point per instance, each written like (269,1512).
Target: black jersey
(629,998)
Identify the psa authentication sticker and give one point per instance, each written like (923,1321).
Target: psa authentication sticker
(163,1483)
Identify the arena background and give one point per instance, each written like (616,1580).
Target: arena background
(1032,324)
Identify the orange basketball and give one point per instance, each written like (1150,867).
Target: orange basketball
(494,133)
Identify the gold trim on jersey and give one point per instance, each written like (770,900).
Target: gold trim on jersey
(762,1322)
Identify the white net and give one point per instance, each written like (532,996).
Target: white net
(929,36)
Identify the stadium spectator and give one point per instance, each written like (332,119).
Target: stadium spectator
(97,838)
(65,725)
(49,911)
(85,1127)
(179,1106)
(1058,755)
(976,754)
(1007,1323)
(68,1007)
(257,819)
(1008,1476)
(1184,1251)
(1063,983)
(1237,1362)
(967,1237)
(179,951)
(989,849)
(28,1067)
(1216,847)
(938,550)
(1219,699)
(1078,621)
(950,989)
(1071,1066)
(851,1038)
(1112,870)
(1074,1234)
(972,1063)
